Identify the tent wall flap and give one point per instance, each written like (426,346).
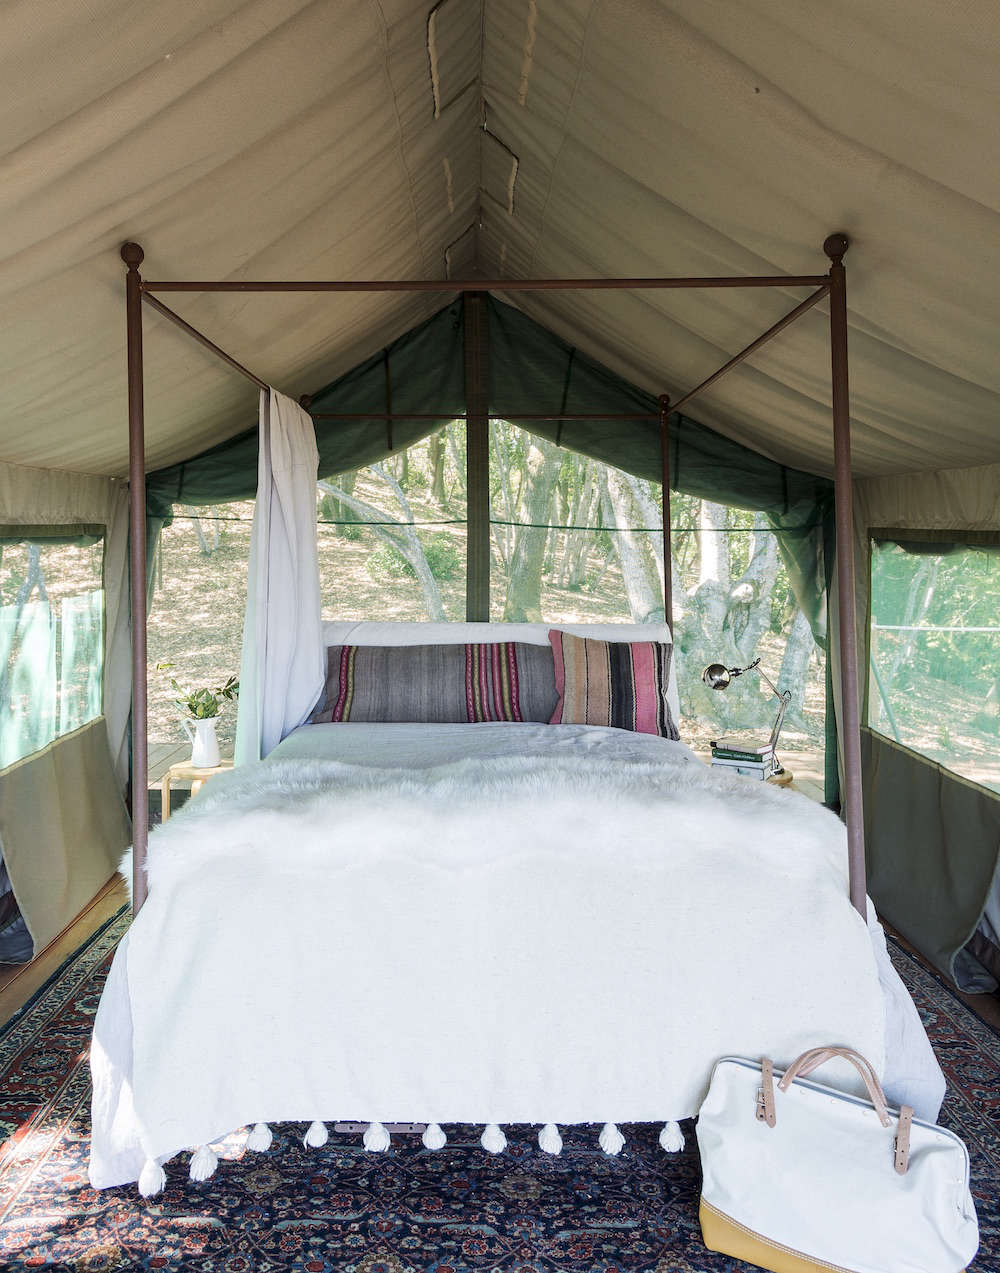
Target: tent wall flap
(933,842)
(60,849)
(63,827)
(425,375)
(951,849)
(42,504)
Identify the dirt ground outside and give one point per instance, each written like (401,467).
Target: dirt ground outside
(196,621)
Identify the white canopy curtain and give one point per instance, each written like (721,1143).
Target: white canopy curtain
(282,668)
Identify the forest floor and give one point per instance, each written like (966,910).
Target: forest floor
(196,621)
(196,624)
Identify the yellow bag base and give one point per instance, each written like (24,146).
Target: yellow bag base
(728,1237)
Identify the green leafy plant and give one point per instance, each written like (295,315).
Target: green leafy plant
(444,557)
(203,703)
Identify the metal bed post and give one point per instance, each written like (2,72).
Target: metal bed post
(668,569)
(477,511)
(132,255)
(835,247)
(832,284)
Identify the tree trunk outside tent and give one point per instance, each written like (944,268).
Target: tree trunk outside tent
(750,597)
(794,667)
(437,453)
(644,594)
(400,536)
(524,587)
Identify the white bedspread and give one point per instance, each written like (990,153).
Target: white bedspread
(567,925)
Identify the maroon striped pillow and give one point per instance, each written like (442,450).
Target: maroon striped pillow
(618,683)
(438,684)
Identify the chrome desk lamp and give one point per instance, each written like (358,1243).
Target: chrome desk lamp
(718,677)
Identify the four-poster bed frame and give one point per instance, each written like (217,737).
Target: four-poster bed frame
(832,284)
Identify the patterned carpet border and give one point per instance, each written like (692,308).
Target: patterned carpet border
(76,958)
(898,949)
(339,1209)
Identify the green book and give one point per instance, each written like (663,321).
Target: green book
(742,749)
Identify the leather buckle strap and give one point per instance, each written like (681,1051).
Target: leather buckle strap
(901,1144)
(765,1095)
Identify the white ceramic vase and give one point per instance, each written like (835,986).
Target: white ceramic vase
(204,744)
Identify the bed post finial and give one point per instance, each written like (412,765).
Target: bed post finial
(836,245)
(133,255)
(849,724)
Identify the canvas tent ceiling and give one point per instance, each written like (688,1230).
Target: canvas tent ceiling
(280,138)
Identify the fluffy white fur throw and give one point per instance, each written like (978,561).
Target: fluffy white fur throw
(517,939)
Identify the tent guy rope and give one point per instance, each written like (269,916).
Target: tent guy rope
(832,284)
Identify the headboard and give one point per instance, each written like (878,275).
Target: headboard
(352,632)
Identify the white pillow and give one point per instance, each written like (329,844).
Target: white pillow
(366,632)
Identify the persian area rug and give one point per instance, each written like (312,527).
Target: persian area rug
(341,1209)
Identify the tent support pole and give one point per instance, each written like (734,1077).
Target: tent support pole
(668,582)
(132,255)
(835,247)
(482,285)
(754,345)
(477,424)
(477,451)
(195,334)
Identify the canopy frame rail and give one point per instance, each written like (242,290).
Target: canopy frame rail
(832,284)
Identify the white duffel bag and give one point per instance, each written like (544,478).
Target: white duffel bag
(800,1176)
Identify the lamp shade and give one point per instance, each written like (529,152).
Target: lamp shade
(716,676)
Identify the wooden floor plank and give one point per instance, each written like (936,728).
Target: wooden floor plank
(18,982)
(162,756)
(987,1006)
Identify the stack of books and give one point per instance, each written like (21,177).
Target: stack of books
(745,756)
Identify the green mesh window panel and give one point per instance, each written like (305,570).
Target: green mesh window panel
(575,540)
(51,642)
(567,545)
(393,535)
(199,595)
(934,681)
(734,602)
(391,545)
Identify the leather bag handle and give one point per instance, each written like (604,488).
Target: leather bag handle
(812,1060)
(815,1057)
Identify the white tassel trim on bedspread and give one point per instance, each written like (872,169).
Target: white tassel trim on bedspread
(152,1178)
(204,1160)
(549,1139)
(376,1139)
(672,1138)
(493,1140)
(434,1137)
(316,1136)
(259,1138)
(611,1140)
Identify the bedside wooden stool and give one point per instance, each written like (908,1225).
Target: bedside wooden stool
(186,772)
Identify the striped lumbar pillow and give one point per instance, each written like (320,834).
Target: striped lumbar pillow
(617,683)
(438,684)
